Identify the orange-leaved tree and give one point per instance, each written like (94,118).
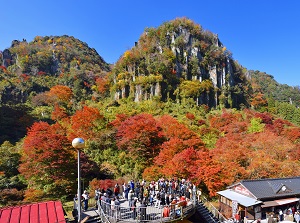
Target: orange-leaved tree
(86,123)
(60,94)
(214,174)
(182,165)
(48,162)
(273,156)
(177,151)
(141,136)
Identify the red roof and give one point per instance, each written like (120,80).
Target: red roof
(43,212)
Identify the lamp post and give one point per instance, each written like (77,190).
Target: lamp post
(78,143)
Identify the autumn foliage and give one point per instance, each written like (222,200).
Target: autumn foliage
(182,126)
(60,93)
(160,146)
(85,122)
(140,135)
(48,159)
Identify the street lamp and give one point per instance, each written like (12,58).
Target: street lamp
(78,143)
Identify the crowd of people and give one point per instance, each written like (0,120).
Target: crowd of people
(161,194)
(289,214)
(157,193)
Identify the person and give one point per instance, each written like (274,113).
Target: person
(130,197)
(151,199)
(281,215)
(133,207)
(109,192)
(157,203)
(162,197)
(75,199)
(237,217)
(143,182)
(137,191)
(97,196)
(166,212)
(167,199)
(173,204)
(127,192)
(199,195)
(297,216)
(289,215)
(141,194)
(117,209)
(271,219)
(188,193)
(182,202)
(86,197)
(116,189)
(75,207)
(103,203)
(113,207)
(142,211)
(131,183)
(124,189)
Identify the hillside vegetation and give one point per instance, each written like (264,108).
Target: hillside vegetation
(175,105)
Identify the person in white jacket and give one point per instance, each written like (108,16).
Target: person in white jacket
(86,198)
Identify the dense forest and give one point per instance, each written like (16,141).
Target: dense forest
(176,105)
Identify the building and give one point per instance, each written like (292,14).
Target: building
(256,199)
(50,211)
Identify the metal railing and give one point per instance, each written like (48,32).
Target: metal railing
(114,213)
(213,210)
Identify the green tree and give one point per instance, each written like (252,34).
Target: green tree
(256,125)
(11,183)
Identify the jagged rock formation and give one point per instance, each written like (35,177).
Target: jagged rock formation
(6,58)
(176,61)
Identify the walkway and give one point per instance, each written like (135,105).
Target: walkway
(201,214)
(146,214)
(150,214)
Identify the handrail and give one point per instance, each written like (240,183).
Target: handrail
(101,213)
(213,210)
(141,214)
(116,213)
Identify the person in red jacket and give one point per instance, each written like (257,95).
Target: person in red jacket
(166,212)
(237,217)
(117,189)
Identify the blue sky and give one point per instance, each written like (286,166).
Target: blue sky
(262,34)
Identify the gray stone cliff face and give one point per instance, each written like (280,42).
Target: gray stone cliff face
(220,73)
(6,58)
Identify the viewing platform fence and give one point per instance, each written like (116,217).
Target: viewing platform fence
(119,213)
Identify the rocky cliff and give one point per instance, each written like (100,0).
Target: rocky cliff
(180,60)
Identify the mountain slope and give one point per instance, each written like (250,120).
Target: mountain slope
(37,75)
(180,60)
(35,67)
(266,84)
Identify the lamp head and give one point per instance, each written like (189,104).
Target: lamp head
(78,143)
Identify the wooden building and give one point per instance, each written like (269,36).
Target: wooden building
(255,199)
